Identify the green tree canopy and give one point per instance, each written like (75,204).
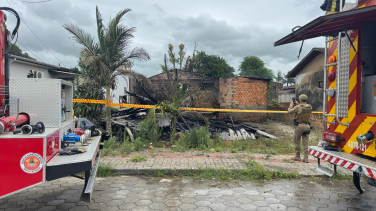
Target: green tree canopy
(15,50)
(209,65)
(280,77)
(108,56)
(289,81)
(75,70)
(252,66)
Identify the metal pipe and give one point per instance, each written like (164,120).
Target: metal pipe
(326,83)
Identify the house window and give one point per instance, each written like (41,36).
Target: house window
(125,90)
(321,84)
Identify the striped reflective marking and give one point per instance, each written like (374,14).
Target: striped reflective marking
(335,160)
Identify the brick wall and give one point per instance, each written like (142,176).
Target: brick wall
(192,82)
(243,93)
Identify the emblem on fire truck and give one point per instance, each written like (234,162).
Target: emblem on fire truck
(31,163)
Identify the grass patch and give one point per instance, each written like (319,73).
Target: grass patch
(233,150)
(105,171)
(138,158)
(218,149)
(340,176)
(256,171)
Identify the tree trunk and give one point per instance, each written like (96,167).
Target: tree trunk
(173,127)
(108,111)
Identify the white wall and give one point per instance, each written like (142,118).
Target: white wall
(122,82)
(20,70)
(286,97)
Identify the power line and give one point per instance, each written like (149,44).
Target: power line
(38,37)
(34,1)
(29,51)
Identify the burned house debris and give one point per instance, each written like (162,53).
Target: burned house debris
(126,120)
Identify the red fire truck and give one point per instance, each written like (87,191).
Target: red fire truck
(349,102)
(28,155)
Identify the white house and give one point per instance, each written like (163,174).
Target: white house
(119,94)
(22,67)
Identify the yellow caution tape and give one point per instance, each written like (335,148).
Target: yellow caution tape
(123,105)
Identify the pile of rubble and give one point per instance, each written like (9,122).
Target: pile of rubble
(127,120)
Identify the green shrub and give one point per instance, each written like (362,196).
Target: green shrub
(105,171)
(138,158)
(218,149)
(148,132)
(275,103)
(195,138)
(126,147)
(110,143)
(233,150)
(138,144)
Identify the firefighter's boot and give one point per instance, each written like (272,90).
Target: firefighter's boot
(305,160)
(297,157)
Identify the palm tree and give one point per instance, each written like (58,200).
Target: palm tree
(111,51)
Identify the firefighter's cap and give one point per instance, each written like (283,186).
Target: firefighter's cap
(303,97)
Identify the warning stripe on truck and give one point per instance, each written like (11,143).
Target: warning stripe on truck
(334,160)
(123,105)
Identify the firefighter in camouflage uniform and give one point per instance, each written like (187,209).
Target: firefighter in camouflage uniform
(302,112)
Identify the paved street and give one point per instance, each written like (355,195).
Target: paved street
(146,193)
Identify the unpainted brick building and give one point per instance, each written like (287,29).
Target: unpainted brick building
(244,93)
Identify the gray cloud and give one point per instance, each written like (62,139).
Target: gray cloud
(221,26)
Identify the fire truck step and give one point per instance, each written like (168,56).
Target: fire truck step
(325,171)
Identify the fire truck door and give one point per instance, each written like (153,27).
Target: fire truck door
(22,164)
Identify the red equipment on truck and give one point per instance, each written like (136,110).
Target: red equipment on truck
(28,155)
(349,102)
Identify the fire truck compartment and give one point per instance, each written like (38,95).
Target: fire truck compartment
(368,86)
(65,165)
(355,163)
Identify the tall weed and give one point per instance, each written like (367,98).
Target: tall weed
(195,138)
(138,144)
(148,132)
(110,143)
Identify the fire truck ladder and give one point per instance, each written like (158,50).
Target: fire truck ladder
(338,84)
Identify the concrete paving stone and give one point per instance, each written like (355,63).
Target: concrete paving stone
(157,206)
(294,209)
(55,202)
(159,199)
(202,203)
(65,206)
(261,203)
(231,203)
(308,207)
(203,209)
(47,208)
(131,199)
(127,206)
(79,208)
(14,208)
(143,202)
(114,203)
(141,208)
(218,206)
(257,198)
(173,203)
(187,206)
(44,199)
(278,206)
(110,208)
(248,207)
(244,200)
(187,200)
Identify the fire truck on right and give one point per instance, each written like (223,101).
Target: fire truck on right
(349,104)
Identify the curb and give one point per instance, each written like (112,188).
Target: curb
(148,172)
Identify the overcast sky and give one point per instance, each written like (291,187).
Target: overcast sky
(231,29)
